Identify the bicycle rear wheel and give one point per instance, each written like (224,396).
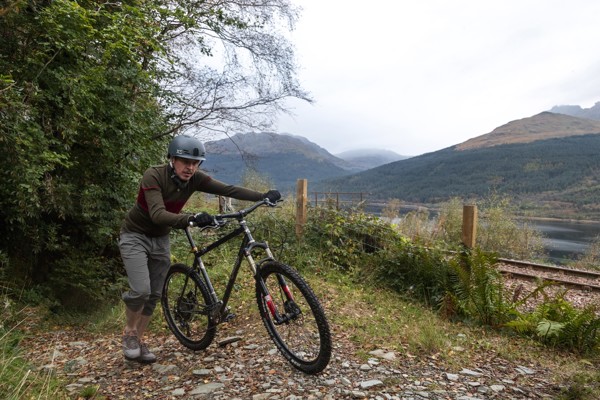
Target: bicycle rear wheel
(302,336)
(186,305)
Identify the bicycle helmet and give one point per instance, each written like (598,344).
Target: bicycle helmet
(184,146)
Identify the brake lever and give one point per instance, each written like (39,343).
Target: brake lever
(272,204)
(219,223)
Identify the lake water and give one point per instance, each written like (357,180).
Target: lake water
(566,240)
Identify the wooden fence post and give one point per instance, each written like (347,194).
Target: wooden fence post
(469,226)
(301,202)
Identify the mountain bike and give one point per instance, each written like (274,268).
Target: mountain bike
(288,307)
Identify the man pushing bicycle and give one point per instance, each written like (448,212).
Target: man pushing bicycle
(144,238)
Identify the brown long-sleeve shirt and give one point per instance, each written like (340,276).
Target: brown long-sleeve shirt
(160,200)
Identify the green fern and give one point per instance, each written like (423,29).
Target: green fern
(478,288)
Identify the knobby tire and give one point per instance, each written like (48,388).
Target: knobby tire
(186,303)
(304,340)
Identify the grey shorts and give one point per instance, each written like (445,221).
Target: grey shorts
(147,260)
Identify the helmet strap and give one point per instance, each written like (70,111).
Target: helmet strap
(181,184)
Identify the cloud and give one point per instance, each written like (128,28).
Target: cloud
(420,76)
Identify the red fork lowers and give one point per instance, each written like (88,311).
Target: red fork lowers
(271,305)
(287,292)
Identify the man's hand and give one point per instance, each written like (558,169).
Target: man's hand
(272,195)
(202,219)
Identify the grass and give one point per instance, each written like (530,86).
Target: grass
(19,379)
(373,318)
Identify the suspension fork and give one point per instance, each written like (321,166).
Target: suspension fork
(267,298)
(278,318)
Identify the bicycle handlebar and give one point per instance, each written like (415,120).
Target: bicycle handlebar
(219,219)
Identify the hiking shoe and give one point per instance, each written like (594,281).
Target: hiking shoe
(131,347)
(146,356)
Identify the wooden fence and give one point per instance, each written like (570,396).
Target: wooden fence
(469,223)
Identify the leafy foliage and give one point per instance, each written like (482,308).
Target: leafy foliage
(75,121)
(90,93)
(346,237)
(477,289)
(558,323)
(461,285)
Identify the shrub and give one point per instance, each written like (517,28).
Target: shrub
(557,323)
(477,289)
(498,229)
(590,260)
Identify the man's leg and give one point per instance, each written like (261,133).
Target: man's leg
(131,341)
(132,321)
(159,262)
(134,252)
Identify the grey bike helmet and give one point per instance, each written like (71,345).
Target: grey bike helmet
(184,146)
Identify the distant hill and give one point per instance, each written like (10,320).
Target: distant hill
(542,126)
(370,158)
(282,158)
(547,161)
(576,111)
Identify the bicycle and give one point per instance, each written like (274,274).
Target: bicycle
(288,307)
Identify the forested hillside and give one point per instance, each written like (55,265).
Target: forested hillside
(283,159)
(280,158)
(282,170)
(554,173)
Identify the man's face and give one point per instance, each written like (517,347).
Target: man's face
(185,168)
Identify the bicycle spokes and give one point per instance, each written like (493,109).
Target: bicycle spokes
(187,307)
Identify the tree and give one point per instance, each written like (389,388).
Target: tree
(90,93)
(250,71)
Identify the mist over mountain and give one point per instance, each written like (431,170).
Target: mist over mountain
(370,158)
(576,111)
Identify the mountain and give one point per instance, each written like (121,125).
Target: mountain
(542,126)
(370,158)
(549,161)
(576,111)
(282,158)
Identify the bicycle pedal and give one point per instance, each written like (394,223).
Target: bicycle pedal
(228,317)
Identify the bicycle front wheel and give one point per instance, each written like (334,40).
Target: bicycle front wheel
(186,305)
(293,317)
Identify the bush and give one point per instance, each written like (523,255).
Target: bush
(557,323)
(499,231)
(461,285)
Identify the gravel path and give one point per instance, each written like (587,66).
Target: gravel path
(252,369)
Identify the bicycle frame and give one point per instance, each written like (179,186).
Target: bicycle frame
(219,312)
(290,311)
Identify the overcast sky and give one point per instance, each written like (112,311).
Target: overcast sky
(418,76)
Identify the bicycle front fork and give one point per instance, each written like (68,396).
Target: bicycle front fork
(291,310)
